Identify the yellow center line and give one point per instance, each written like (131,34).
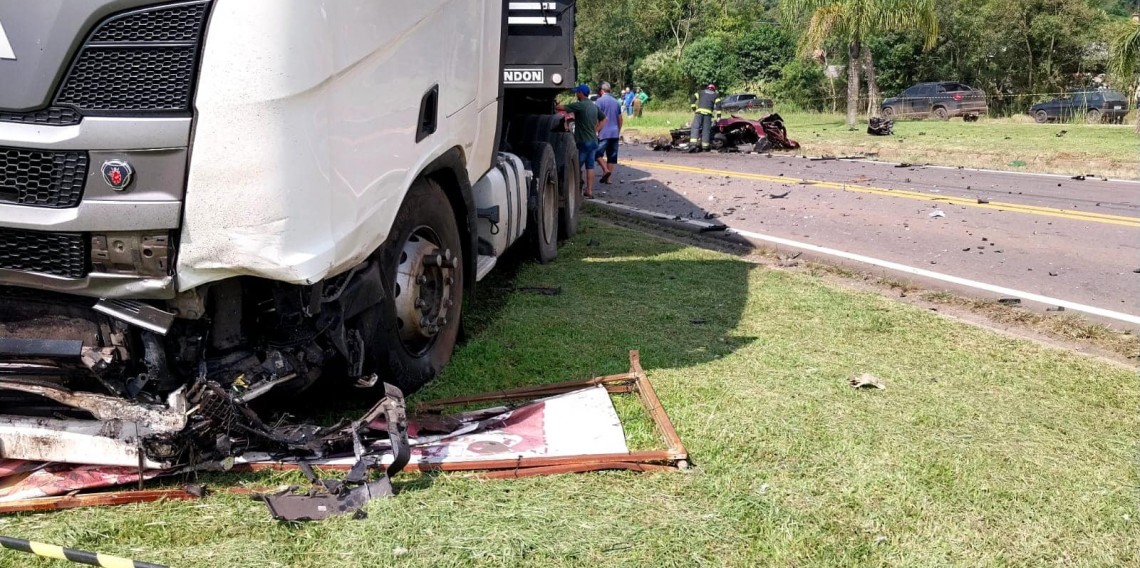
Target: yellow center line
(996,205)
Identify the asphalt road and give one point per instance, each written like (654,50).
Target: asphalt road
(1067,239)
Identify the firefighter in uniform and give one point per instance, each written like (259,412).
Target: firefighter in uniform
(703,103)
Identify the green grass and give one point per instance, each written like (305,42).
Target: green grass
(1015,143)
(982,450)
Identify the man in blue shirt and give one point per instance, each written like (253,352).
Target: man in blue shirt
(629,96)
(610,133)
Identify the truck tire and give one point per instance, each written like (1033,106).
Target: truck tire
(569,188)
(1093,116)
(1041,117)
(410,334)
(941,113)
(888,113)
(762,145)
(543,221)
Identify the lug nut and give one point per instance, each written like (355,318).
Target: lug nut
(420,303)
(421,279)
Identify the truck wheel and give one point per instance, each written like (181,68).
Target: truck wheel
(718,142)
(410,334)
(1093,116)
(543,222)
(1040,117)
(762,145)
(569,175)
(888,113)
(941,113)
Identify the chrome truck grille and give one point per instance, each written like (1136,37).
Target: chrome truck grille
(54,254)
(136,63)
(133,71)
(42,178)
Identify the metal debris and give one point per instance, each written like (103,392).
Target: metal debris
(866,381)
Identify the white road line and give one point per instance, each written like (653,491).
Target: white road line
(1028,296)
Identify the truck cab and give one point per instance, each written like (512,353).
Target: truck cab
(264,193)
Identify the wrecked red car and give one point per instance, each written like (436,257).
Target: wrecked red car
(734,133)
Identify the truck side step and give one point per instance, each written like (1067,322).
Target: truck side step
(484,265)
(134,312)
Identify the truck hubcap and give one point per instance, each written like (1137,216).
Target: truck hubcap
(424,279)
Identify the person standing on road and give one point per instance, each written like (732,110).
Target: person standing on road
(639,102)
(610,133)
(703,103)
(628,99)
(588,120)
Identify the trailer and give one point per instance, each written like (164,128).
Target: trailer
(267,196)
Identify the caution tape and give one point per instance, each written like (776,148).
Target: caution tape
(72,555)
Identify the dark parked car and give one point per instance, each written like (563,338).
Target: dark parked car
(941,100)
(744,101)
(1096,106)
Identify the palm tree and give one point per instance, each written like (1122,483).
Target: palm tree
(855,22)
(1124,57)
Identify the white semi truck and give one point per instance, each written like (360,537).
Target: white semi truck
(261,193)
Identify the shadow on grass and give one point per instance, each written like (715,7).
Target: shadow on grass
(619,290)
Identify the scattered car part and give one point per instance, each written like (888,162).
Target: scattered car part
(866,381)
(674,456)
(138,313)
(880,126)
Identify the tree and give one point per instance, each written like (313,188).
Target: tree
(708,60)
(801,83)
(855,23)
(1124,58)
(763,52)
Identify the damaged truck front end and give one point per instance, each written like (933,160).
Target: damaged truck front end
(113,353)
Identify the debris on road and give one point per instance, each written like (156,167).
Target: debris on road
(1078,178)
(779,195)
(982,199)
(1009,301)
(937,214)
(867,381)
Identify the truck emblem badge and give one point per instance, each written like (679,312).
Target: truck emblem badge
(118,174)
(5,46)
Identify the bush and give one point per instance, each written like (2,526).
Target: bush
(801,85)
(660,75)
(763,52)
(708,60)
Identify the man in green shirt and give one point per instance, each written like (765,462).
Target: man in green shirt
(639,102)
(588,120)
